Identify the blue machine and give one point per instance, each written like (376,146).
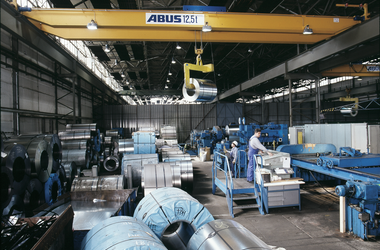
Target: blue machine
(207,138)
(360,172)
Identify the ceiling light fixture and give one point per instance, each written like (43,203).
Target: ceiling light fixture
(307,30)
(167,80)
(122,74)
(206,28)
(178,47)
(166,87)
(107,48)
(92,25)
(249,50)
(116,62)
(173,61)
(170,73)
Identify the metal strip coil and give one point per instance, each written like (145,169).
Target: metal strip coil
(34,195)
(81,127)
(173,215)
(71,172)
(75,135)
(79,156)
(53,189)
(155,176)
(75,144)
(205,90)
(111,163)
(107,182)
(137,161)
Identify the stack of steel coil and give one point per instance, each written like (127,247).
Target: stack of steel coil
(168,132)
(109,182)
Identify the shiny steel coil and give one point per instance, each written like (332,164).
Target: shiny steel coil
(112,133)
(168,132)
(75,144)
(70,171)
(111,163)
(173,215)
(81,127)
(75,135)
(232,128)
(39,153)
(137,161)
(171,158)
(34,195)
(156,176)
(79,156)
(120,233)
(15,206)
(108,182)
(62,178)
(15,172)
(204,90)
(176,175)
(172,152)
(52,189)
(126,146)
(108,140)
(187,176)
(224,235)
(55,148)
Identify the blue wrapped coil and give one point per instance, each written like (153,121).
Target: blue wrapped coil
(53,189)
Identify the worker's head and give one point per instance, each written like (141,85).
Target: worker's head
(234,144)
(257,132)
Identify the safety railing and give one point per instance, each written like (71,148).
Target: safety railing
(242,162)
(261,184)
(217,165)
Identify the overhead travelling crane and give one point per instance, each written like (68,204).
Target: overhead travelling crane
(138,25)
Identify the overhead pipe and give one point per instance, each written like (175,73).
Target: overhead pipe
(173,215)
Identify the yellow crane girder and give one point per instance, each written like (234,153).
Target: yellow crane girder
(151,25)
(354,70)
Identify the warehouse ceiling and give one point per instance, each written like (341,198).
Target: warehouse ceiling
(143,66)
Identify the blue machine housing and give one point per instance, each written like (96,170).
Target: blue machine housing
(207,138)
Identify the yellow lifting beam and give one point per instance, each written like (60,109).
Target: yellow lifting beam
(151,25)
(354,70)
(198,66)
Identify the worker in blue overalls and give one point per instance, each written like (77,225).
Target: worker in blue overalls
(254,147)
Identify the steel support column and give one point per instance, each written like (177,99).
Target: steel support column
(15,87)
(290,104)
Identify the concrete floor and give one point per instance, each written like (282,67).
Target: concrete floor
(316,226)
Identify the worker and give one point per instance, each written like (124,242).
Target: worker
(254,147)
(233,156)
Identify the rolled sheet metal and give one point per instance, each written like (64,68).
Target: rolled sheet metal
(187,176)
(126,146)
(70,171)
(173,215)
(119,233)
(75,144)
(137,161)
(75,135)
(179,157)
(40,156)
(15,173)
(111,163)
(168,132)
(204,90)
(55,148)
(62,178)
(79,156)
(81,127)
(112,133)
(230,129)
(156,176)
(34,195)
(52,189)
(15,206)
(224,235)
(107,182)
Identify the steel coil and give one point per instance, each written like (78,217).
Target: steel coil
(70,171)
(16,172)
(176,175)
(81,127)
(168,132)
(173,215)
(6,186)
(137,161)
(55,149)
(79,156)
(119,233)
(15,206)
(156,176)
(172,158)
(34,195)
(108,140)
(111,163)
(62,178)
(187,176)
(112,133)
(52,189)
(231,129)
(108,182)
(204,90)
(74,135)
(126,146)
(225,234)
(75,144)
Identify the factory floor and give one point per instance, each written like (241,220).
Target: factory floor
(316,226)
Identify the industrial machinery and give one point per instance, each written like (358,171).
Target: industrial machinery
(357,176)
(207,138)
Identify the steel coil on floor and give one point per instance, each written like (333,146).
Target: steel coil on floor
(177,157)
(137,161)
(15,206)
(40,156)
(225,235)
(55,148)
(111,163)
(126,146)
(108,182)
(186,173)
(75,144)
(121,232)
(15,172)
(79,156)
(156,176)
(112,133)
(34,195)
(204,90)
(168,132)
(74,135)
(70,171)
(52,189)
(81,127)
(173,215)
